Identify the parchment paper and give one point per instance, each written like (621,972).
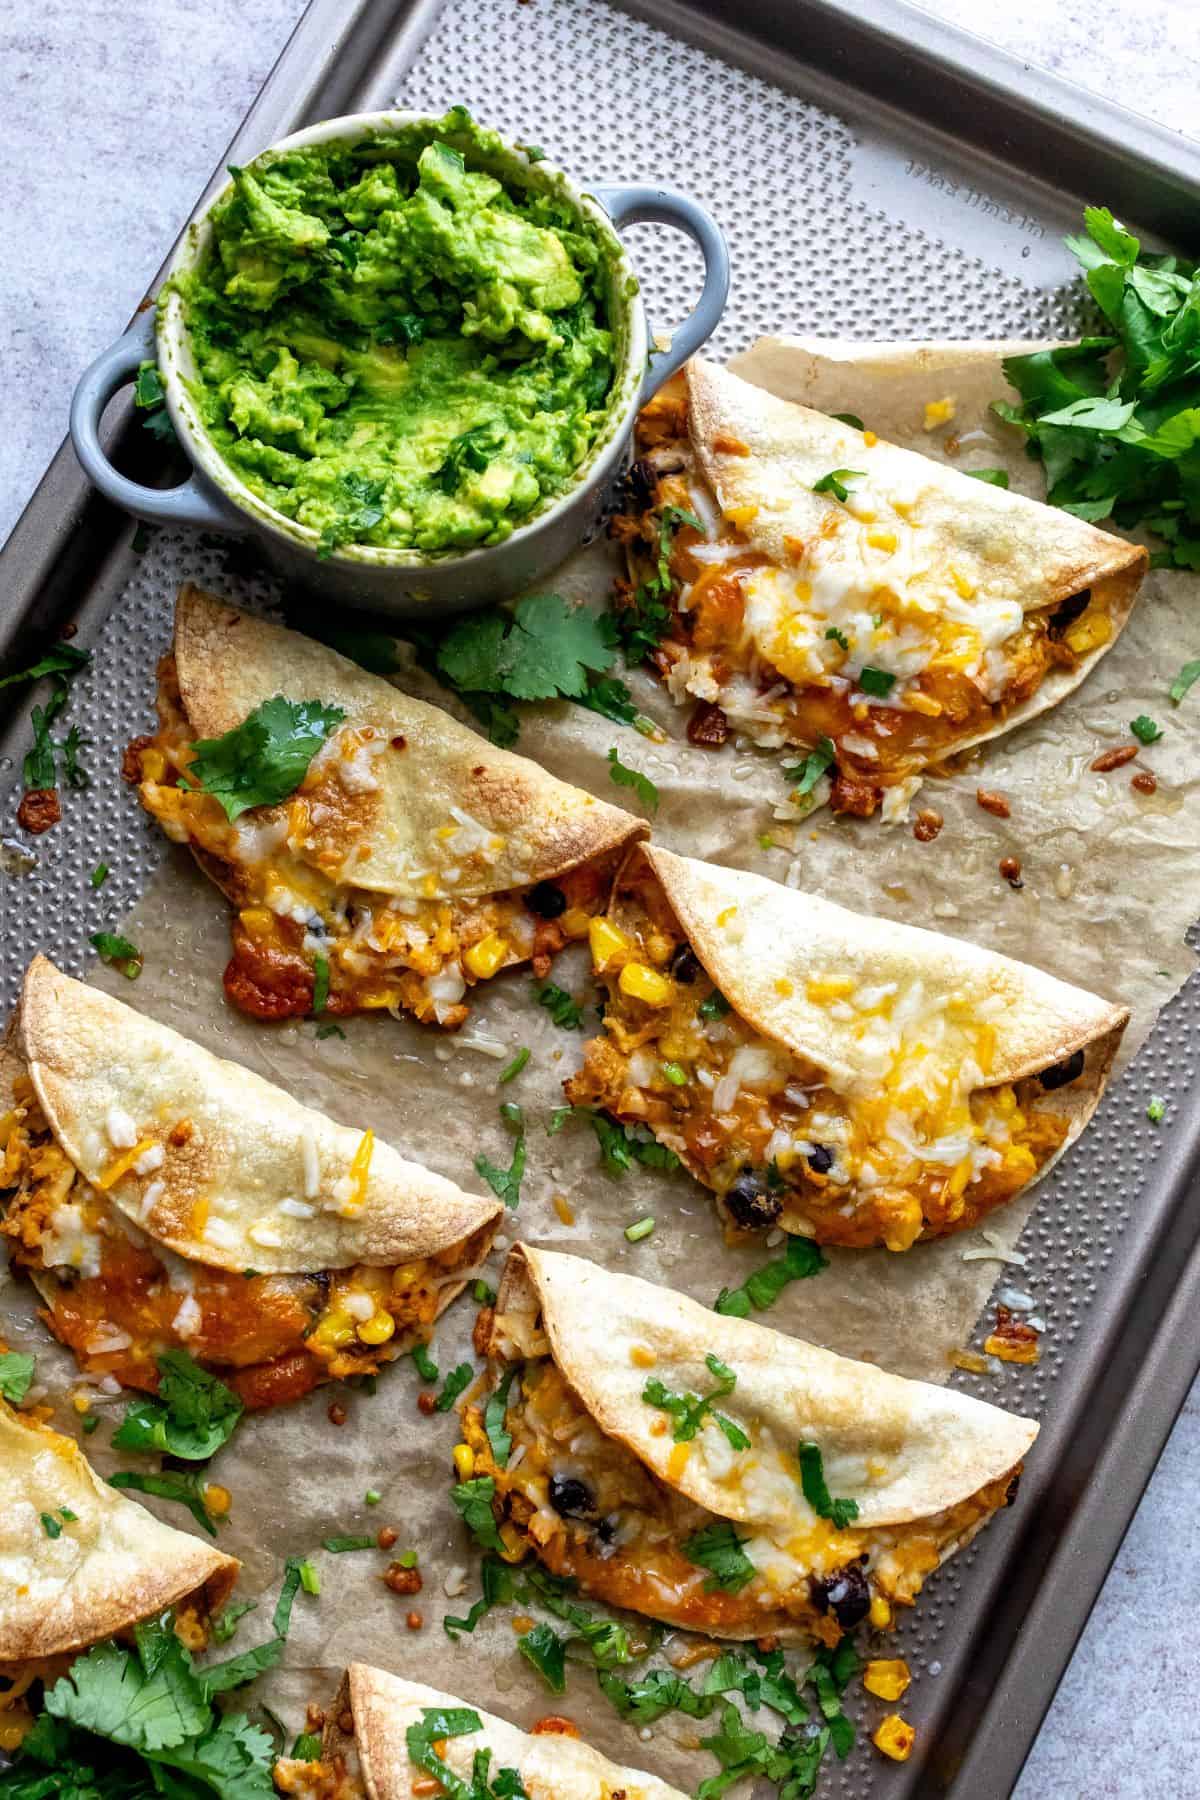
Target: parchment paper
(1110,888)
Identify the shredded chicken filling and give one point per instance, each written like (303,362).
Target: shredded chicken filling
(923,1148)
(587,1508)
(288,870)
(118,1300)
(780,651)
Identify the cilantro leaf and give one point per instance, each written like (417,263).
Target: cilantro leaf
(835,482)
(427,1369)
(118,952)
(543,1647)
(374,651)
(622,1145)
(111,1693)
(714,1006)
(471,450)
(812,1481)
(544,649)
(497,1580)
(473,1500)
(361,501)
(718,1548)
(456,1382)
(690,1411)
(186,1487)
(657,1692)
(505,1183)
(265,758)
(64,659)
(565,1011)
(803,777)
(761,1289)
(1145,729)
(236,1671)
(994,477)
(16,1375)
(849,418)
(1186,678)
(494,1416)
(226,1622)
(193,1415)
(641,784)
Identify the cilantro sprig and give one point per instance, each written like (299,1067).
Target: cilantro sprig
(192,1416)
(625,777)
(265,758)
(118,953)
(803,777)
(718,1548)
(1115,419)
(802,1259)
(690,1411)
(563,1009)
(505,1183)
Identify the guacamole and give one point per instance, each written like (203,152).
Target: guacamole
(392,347)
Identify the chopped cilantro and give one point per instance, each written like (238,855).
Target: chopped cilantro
(566,1012)
(471,450)
(191,1417)
(505,1183)
(835,482)
(265,758)
(473,1500)
(511,1070)
(320,997)
(372,1497)
(543,1647)
(513,1115)
(63,660)
(427,1369)
(337,1546)
(362,503)
(876,681)
(40,768)
(307,1747)
(850,419)
(310,1578)
(329,1031)
(641,784)
(497,1580)
(423,1741)
(803,777)
(623,1145)
(90,1422)
(760,1290)
(690,1411)
(718,1548)
(714,1006)
(99,875)
(482,1293)
(118,952)
(657,1692)
(185,1486)
(1156,1112)
(1145,730)
(456,1382)
(607,1641)
(1186,678)
(993,477)
(50,1525)
(494,1415)
(16,1375)
(812,1480)
(227,1620)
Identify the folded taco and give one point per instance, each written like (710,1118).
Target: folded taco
(849,1079)
(80,1563)
(387,1738)
(161,1199)
(810,585)
(715,1474)
(377,853)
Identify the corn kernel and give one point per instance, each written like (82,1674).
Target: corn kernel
(258,921)
(966,589)
(887,1678)
(485,957)
(677,1461)
(608,945)
(464,1461)
(659,947)
(870,439)
(783,987)
(81,1402)
(1089,633)
(881,1612)
(217,1499)
(645,984)
(895,1737)
(939,412)
(378,1328)
(724,916)
(918,701)
(642,1356)
(882,540)
(574,922)
(741,515)
(835,987)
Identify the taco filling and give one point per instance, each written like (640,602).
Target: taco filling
(588,1508)
(916,1145)
(117,1299)
(867,620)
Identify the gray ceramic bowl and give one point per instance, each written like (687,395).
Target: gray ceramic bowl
(405,583)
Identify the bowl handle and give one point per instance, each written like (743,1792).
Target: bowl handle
(641,203)
(113,369)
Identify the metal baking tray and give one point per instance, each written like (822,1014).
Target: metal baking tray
(879,174)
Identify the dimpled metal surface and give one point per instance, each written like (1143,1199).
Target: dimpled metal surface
(813,250)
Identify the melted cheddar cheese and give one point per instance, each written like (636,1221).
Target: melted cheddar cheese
(117,1299)
(587,1508)
(919,1146)
(297,903)
(780,650)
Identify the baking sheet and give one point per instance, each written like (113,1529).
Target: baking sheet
(1085,917)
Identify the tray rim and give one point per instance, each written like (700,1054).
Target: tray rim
(1103,1443)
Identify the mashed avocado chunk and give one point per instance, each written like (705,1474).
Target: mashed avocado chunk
(393,348)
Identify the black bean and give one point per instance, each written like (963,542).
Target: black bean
(546,900)
(846,1594)
(1064,616)
(571,1497)
(820,1159)
(604,1537)
(1010,1492)
(751,1203)
(640,484)
(1063,1073)
(685,965)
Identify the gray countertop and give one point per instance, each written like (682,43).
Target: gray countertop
(112,116)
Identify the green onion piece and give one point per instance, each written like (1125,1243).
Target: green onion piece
(99,875)
(675,1073)
(634,1234)
(372,1497)
(338,1545)
(407,1559)
(513,1069)
(1156,1112)
(310,1579)
(512,1114)
(482,1294)
(427,1369)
